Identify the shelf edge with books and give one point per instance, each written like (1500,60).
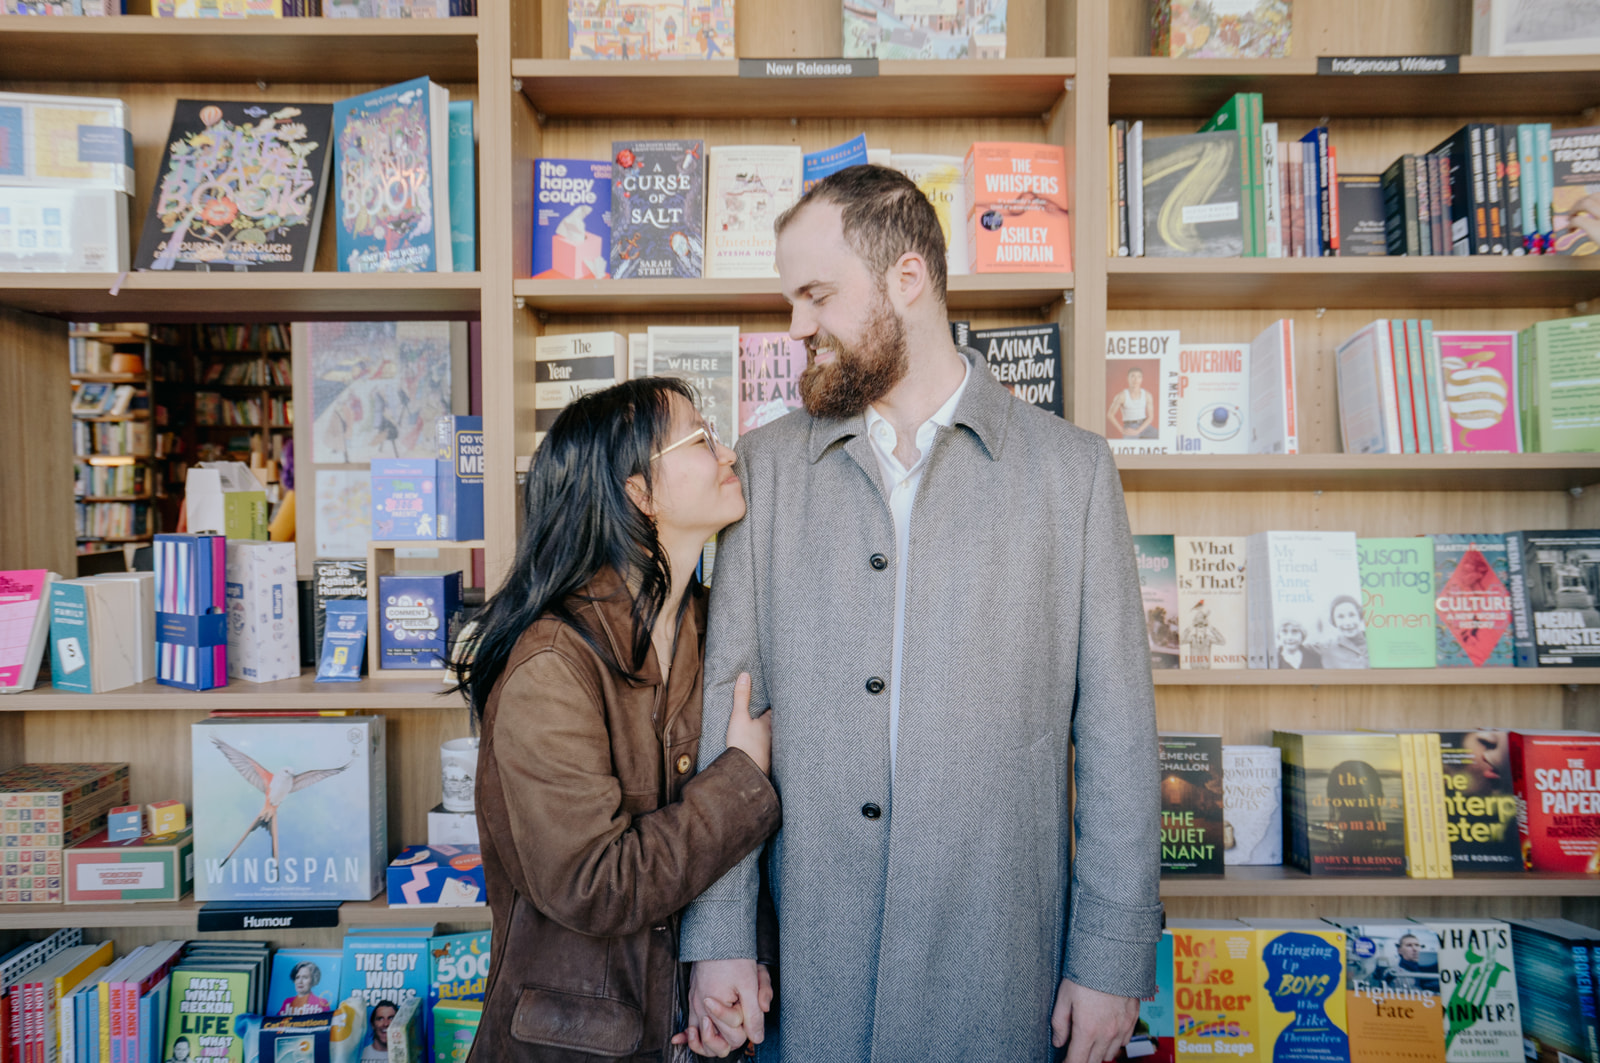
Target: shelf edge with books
(1288,882)
(185,913)
(391,691)
(1486,87)
(190,296)
(972,291)
(1394,281)
(936,89)
(1375,677)
(144,48)
(1358,472)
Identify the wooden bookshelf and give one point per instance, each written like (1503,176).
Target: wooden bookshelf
(392,690)
(987,291)
(1378,677)
(1358,472)
(182,915)
(1287,882)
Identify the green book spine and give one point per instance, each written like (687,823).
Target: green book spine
(1423,410)
(1566,387)
(1234,117)
(1397,601)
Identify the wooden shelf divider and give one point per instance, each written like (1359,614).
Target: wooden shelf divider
(1358,472)
(1287,882)
(976,291)
(415,690)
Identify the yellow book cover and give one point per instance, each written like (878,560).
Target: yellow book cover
(1434,755)
(1416,859)
(1393,992)
(1215,991)
(1300,967)
(1418,769)
(67,981)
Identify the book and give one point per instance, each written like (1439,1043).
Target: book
(1212,627)
(384,225)
(405,498)
(1480,804)
(1271,192)
(61,141)
(1027,360)
(460,476)
(1153,1031)
(1392,991)
(455,1027)
(572,364)
(95,635)
(1472,601)
(748,187)
(815,165)
(1343,802)
(1555,988)
(1479,984)
(1562,398)
(650,29)
(458,972)
(419,614)
(1555,580)
(941,179)
(1194,201)
(1273,418)
(386,966)
(1192,834)
(1301,967)
(1469,209)
(1252,805)
(1369,392)
(334,580)
(263,620)
(241,186)
(1556,778)
(1214,980)
(658,208)
(463,188)
(1141,385)
(1158,587)
(770,364)
(1241,117)
(1397,601)
(886,29)
(206,999)
(1213,397)
(1534,27)
(1017,208)
(1134,181)
(571,219)
(304,981)
(1477,380)
(1361,215)
(326,839)
(705,358)
(25,612)
(1305,600)
(1221,29)
(63,230)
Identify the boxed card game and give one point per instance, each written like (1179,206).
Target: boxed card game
(417,617)
(437,876)
(263,618)
(149,868)
(405,498)
(460,477)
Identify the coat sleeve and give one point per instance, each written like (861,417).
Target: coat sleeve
(588,863)
(1115,919)
(721,924)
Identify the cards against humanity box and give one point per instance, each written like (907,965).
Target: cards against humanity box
(405,498)
(155,867)
(460,477)
(417,617)
(289,809)
(263,618)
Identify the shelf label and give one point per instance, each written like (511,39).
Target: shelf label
(1388,65)
(808,69)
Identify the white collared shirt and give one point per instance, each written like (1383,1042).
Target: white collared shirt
(902,484)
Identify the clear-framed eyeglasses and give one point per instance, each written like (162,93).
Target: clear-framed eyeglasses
(705,433)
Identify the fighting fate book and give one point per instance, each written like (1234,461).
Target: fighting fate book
(770,364)
(749,187)
(1393,991)
(1191,804)
(658,208)
(571,219)
(241,188)
(392,179)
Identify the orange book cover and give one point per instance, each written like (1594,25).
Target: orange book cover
(1392,992)
(1215,991)
(1017,208)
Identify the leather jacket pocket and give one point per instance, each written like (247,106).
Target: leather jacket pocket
(599,1025)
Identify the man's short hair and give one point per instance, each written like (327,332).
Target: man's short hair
(885,215)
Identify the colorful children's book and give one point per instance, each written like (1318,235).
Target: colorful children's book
(458,972)
(1472,601)
(770,364)
(658,197)
(650,29)
(571,219)
(1158,586)
(1397,601)
(387,225)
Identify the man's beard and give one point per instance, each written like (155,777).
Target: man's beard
(858,376)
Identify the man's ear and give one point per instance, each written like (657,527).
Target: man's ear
(908,280)
(639,495)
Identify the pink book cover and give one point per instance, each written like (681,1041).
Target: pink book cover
(1477,384)
(770,364)
(22,595)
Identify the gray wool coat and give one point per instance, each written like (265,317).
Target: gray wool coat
(932,916)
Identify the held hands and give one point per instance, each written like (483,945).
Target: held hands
(721,992)
(1098,1024)
(753,737)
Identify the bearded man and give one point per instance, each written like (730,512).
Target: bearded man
(934,592)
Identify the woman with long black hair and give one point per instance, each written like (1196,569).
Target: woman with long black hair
(585,680)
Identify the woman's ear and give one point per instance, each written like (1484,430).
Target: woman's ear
(639,495)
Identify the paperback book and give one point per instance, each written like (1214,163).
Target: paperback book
(1555,585)
(1016,200)
(887,29)
(1472,601)
(750,186)
(1561,397)
(770,364)
(1191,804)
(1273,419)
(1214,980)
(1301,968)
(24,626)
(304,981)
(1252,805)
(816,165)
(571,364)
(1397,601)
(658,195)
(1555,987)
(940,178)
(1575,190)
(1142,378)
(571,219)
(706,358)
(1343,802)
(1477,375)
(650,29)
(1482,1019)
(385,225)
(1153,1031)
(1027,360)
(1361,216)
(1393,991)
(1305,600)
(1212,625)
(1213,397)
(1556,778)
(207,999)
(1193,200)
(1480,803)
(1158,587)
(386,967)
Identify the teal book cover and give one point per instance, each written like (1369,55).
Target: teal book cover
(1472,581)
(384,969)
(463,189)
(1158,587)
(458,970)
(69,638)
(1153,1033)
(1397,601)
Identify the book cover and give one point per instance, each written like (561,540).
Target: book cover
(1191,804)
(1158,586)
(1215,990)
(1559,577)
(1252,805)
(418,616)
(1472,602)
(1361,215)
(1213,631)
(1477,377)
(816,165)
(387,225)
(241,186)
(1141,387)
(460,476)
(1154,1029)
(63,230)
(304,981)
(1533,27)
(770,364)
(705,358)
(1305,600)
(571,219)
(385,969)
(455,1027)
(1369,403)
(1554,976)
(1273,418)
(1343,802)
(206,999)
(1556,778)
(1575,191)
(1193,200)
(1482,1018)
(1301,967)
(1565,393)
(926,29)
(263,614)
(1479,802)
(334,580)
(1220,29)
(1017,208)
(1213,396)
(658,208)
(24,626)
(463,188)
(569,365)
(1240,115)
(405,498)
(748,187)
(289,809)
(458,972)
(1027,360)
(1397,601)
(57,141)
(941,179)
(650,29)
(1392,991)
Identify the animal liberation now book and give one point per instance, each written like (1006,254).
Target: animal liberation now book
(1480,805)
(770,364)
(706,358)
(1343,802)
(1212,624)
(1556,777)
(1252,805)
(1555,584)
(392,179)
(571,364)
(1301,973)
(1027,360)
(289,809)
(1215,990)
(1017,208)
(1397,601)
(1392,991)
(940,178)
(571,219)
(1477,378)
(748,187)
(1191,803)
(1305,600)
(1483,1022)
(1141,390)
(1472,601)
(1213,397)
(658,208)
(1193,202)
(1158,587)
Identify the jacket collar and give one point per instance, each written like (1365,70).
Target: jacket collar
(607,599)
(983,409)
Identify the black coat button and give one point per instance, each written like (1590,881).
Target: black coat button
(874,685)
(871,811)
(879,562)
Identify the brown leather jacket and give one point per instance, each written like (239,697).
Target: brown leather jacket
(596,833)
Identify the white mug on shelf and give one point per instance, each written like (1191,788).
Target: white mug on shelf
(458,773)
